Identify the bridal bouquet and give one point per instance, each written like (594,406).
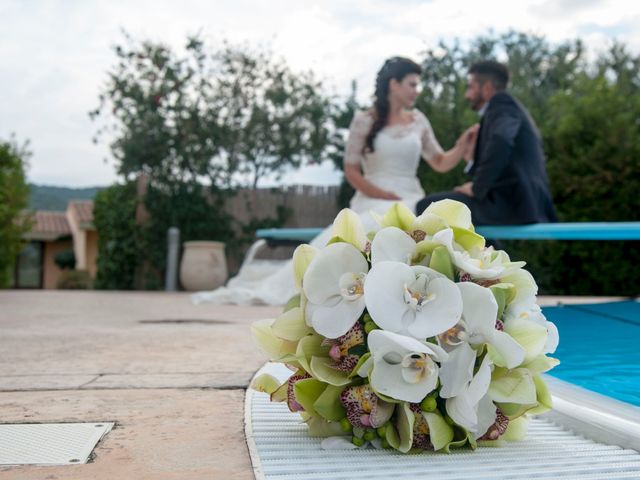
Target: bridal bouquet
(415,337)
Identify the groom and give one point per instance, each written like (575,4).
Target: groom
(509,183)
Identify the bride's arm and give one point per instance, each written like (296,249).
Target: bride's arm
(446,161)
(354,176)
(433,153)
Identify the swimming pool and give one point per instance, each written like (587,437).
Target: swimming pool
(599,347)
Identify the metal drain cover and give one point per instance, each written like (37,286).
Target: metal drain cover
(49,443)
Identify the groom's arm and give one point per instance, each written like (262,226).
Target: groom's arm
(503,129)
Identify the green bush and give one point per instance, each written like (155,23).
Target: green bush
(114,215)
(14,194)
(65,259)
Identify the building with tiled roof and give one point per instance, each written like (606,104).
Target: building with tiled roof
(52,233)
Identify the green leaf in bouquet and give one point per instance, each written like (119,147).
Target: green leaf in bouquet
(440,432)
(512,386)
(504,293)
(321,368)
(291,325)
(545,401)
(307,392)
(273,346)
(441,262)
(265,383)
(363,359)
(530,335)
(292,303)
(348,226)
(310,346)
(541,364)
(319,427)
(468,239)
(328,404)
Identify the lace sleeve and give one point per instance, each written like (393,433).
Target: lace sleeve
(358,131)
(430,145)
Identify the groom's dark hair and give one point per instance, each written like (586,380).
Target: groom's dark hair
(491,71)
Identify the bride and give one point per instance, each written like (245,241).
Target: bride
(383,151)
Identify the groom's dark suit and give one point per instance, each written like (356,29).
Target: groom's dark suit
(510,184)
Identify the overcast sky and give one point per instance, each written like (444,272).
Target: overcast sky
(55,54)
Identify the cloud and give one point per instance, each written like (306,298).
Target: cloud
(56,53)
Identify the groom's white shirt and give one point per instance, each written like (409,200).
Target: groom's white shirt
(481,111)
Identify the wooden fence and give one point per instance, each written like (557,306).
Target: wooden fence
(306,205)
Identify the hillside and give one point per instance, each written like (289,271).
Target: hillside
(45,197)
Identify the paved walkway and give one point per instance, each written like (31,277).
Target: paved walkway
(170,374)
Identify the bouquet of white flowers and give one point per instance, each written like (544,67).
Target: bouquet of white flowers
(417,336)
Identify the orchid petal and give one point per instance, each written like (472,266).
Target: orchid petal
(328,404)
(513,386)
(531,336)
(348,226)
(392,244)
(505,351)
(321,368)
(302,257)
(487,414)
(338,443)
(457,371)
(455,213)
(291,325)
(479,308)
(440,432)
(399,216)
(334,321)
(384,293)
(264,337)
(321,280)
(429,223)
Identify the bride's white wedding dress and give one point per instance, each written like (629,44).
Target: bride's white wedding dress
(392,167)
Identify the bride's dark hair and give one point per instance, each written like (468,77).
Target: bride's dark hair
(394,68)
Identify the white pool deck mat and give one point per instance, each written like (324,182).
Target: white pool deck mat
(49,443)
(281,449)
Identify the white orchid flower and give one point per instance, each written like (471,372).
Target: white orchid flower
(403,367)
(523,308)
(415,301)
(476,328)
(392,244)
(528,325)
(333,285)
(473,408)
(483,263)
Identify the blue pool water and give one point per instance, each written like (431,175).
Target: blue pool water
(599,347)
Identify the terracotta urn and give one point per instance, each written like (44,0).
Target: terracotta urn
(203,266)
